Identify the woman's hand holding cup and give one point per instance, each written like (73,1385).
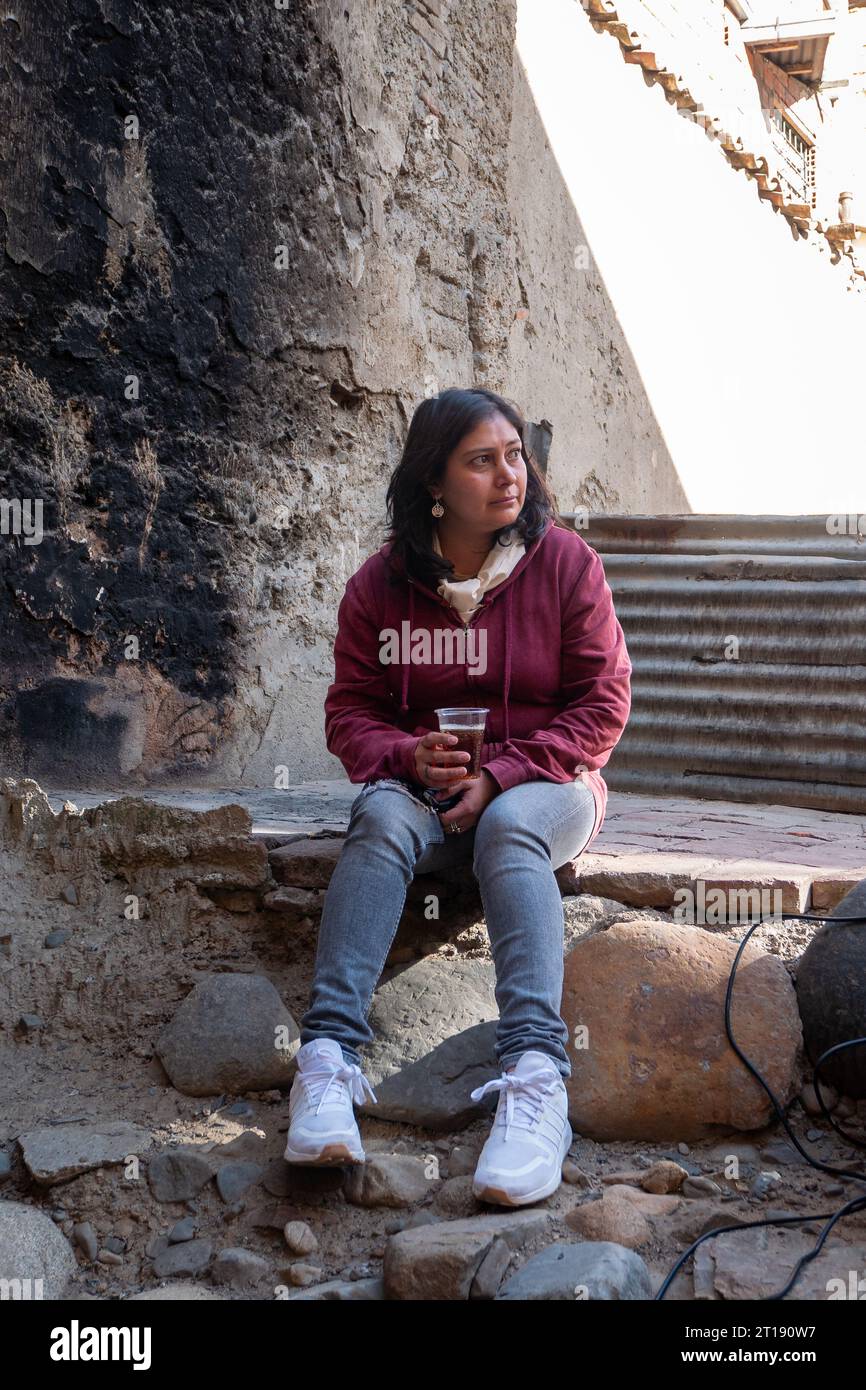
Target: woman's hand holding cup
(439,769)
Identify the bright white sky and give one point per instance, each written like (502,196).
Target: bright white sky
(748,344)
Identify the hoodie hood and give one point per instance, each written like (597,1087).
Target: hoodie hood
(505,588)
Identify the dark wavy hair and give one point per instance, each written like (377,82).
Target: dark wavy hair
(436,429)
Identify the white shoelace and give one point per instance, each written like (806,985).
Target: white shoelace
(524,1098)
(349,1074)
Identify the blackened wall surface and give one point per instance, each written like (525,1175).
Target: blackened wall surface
(239,245)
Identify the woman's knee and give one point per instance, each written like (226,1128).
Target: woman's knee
(503,819)
(385,806)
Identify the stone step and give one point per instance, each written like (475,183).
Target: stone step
(649,847)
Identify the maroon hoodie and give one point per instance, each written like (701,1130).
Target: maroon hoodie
(549,660)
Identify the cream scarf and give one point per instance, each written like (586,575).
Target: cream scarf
(465,594)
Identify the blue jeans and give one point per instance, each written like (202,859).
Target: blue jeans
(522,835)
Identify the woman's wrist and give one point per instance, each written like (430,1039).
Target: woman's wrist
(490,782)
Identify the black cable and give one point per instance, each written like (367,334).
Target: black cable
(856,1203)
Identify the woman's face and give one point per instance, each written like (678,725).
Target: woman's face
(486,467)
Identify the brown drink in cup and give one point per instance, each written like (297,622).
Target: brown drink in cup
(468,727)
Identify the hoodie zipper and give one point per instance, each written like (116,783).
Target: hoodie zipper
(456,620)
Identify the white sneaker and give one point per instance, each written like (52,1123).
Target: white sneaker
(522,1159)
(322,1127)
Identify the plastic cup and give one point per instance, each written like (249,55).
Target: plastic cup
(468,727)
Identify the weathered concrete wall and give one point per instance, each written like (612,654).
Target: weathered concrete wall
(568,358)
(230,277)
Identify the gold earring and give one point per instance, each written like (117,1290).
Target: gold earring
(437,509)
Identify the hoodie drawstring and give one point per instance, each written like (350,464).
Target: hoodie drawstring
(508,596)
(509,593)
(405,684)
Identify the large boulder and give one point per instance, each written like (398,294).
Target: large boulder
(455,1260)
(36,1260)
(831,993)
(644,1004)
(434,1033)
(590,1270)
(225,1036)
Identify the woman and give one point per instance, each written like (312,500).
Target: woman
(475,545)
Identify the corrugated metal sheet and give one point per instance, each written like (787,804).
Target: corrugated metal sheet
(748,641)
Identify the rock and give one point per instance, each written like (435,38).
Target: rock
(639,880)
(664,1176)
(176,1175)
(701,1214)
(300,1238)
(434,1027)
(700,1187)
(302,1275)
(69,894)
(491,1271)
(84,1236)
(455,1197)
(198,1293)
(586,914)
(109,1257)
(462,1160)
(661,1177)
(389,1180)
(58,937)
(295,904)
(34,1252)
(755,1264)
(244,1111)
(161,844)
(248,1144)
(187,1259)
(344,1290)
(647,1203)
(588,1270)
(780,1151)
(612,1218)
(295,1180)
(5,1166)
(31,1023)
(442,1261)
(764,1183)
(273,1215)
(223,1038)
(240,1268)
(573,1173)
(57,1152)
(306,863)
(809,1099)
(182,1230)
(831,994)
(660,1066)
(234,1179)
